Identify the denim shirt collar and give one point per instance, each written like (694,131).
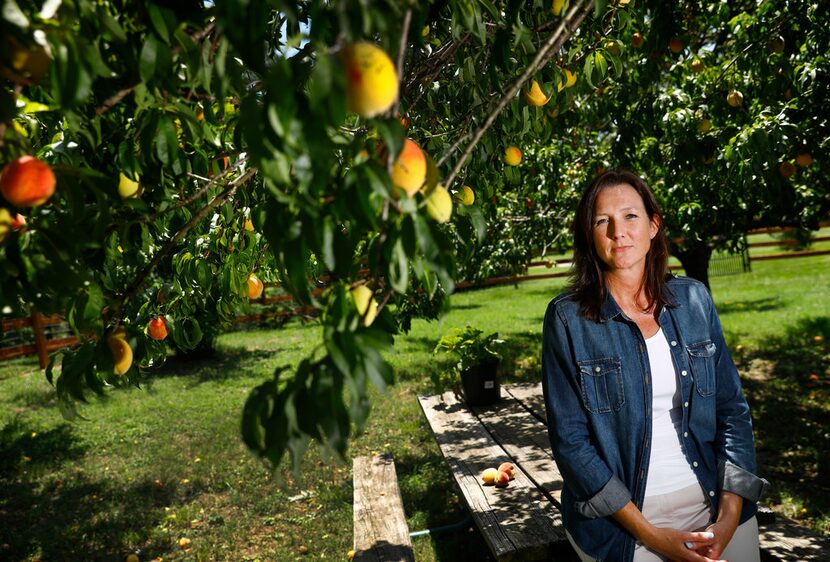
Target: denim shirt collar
(611,309)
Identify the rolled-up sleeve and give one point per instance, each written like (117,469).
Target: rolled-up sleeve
(597,491)
(734,441)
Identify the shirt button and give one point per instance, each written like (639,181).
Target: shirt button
(711,493)
(685,434)
(685,404)
(684,373)
(597,369)
(673,343)
(694,464)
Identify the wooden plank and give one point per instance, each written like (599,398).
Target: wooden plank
(517,522)
(40,339)
(787,540)
(10,324)
(17,351)
(380,529)
(530,396)
(525,438)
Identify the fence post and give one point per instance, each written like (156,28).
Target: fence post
(40,339)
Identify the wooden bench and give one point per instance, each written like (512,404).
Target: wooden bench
(380,529)
(521,521)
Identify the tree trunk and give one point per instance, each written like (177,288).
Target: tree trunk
(695,260)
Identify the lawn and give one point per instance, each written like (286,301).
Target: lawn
(149,467)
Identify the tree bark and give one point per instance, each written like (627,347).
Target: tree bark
(695,261)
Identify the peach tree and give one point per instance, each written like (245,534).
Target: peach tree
(195,144)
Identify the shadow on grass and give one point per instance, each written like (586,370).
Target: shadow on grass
(757,305)
(787,383)
(50,510)
(226,363)
(428,487)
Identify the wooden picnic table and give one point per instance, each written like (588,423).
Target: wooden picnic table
(523,521)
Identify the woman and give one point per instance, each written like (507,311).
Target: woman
(645,412)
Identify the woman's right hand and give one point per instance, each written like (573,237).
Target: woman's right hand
(680,546)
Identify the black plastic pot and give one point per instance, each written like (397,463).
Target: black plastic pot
(480,384)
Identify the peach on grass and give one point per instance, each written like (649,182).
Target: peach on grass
(409,171)
(512,156)
(371,79)
(27,182)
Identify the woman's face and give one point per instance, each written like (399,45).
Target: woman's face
(621,229)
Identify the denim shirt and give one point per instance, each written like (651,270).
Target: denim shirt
(597,388)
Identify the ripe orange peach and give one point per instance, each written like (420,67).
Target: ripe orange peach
(512,156)
(371,79)
(637,40)
(409,172)
(489,476)
(27,182)
(502,479)
(255,287)
(508,468)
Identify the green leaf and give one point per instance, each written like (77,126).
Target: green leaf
(155,59)
(163,20)
(399,267)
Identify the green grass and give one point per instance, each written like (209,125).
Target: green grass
(150,466)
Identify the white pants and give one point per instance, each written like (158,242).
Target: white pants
(689,510)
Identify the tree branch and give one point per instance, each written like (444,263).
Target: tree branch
(171,244)
(574,18)
(116,98)
(407,18)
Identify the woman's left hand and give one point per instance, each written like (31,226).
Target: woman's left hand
(729,513)
(723,531)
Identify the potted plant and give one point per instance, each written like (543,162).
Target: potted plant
(477,365)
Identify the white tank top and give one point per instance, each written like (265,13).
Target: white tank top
(668,469)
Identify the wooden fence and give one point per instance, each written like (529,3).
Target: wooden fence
(48,333)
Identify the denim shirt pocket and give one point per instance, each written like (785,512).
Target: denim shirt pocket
(602,384)
(702,360)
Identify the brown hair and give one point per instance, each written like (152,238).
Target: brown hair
(587,281)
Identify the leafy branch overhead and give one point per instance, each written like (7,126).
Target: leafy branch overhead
(169,166)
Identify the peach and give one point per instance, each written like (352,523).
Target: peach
(409,172)
(675,45)
(439,204)
(365,303)
(637,40)
(535,96)
(255,287)
(502,479)
(804,159)
(122,353)
(489,476)
(512,156)
(27,182)
(468,196)
(508,468)
(371,79)
(735,98)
